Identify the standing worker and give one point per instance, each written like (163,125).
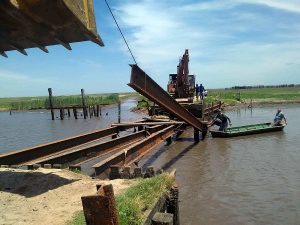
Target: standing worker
(201,90)
(279,117)
(197,92)
(221,120)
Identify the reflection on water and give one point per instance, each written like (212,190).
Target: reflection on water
(24,129)
(244,180)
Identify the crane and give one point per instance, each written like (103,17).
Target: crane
(182,85)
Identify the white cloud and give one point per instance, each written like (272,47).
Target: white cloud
(12,76)
(288,5)
(222,44)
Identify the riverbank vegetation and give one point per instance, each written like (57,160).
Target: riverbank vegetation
(133,204)
(235,96)
(42,102)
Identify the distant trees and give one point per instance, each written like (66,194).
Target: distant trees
(265,86)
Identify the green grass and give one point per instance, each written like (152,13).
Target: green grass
(136,200)
(231,96)
(133,203)
(77,219)
(143,103)
(25,103)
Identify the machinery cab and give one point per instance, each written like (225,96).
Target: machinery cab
(191,85)
(171,88)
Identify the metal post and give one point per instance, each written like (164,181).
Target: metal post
(101,208)
(50,103)
(83,104)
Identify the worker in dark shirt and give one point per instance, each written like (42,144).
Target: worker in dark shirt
(197,91)
(201,91)
(221,120)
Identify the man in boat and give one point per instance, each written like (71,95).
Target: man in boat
(221,120)
(279,117)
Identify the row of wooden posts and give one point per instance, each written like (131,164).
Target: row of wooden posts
(87,110)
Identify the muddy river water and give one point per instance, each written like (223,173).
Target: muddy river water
(251,180)
(244,180)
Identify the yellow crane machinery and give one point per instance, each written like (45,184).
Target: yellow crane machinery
(40,23)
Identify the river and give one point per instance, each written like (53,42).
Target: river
(28,128)
(250,180)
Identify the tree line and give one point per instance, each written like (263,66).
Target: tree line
(265,86)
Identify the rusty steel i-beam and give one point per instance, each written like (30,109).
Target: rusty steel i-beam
(143,84)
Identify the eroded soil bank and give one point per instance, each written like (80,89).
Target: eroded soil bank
(45,196)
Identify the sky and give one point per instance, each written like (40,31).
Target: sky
(232,42)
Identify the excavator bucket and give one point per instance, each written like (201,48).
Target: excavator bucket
(40,23)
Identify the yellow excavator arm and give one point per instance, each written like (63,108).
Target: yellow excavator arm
(40,23)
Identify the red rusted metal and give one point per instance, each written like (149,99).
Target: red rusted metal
(143,84)
(100,209)
(84,152)
(136,151)
(25,155)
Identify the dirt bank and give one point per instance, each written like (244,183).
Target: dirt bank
(45,196)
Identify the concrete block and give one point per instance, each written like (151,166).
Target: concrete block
(47,166)
(149,172)
(126,173)
(137,172)
(162,219)
(57,166)
(33,167)
(160,171)
(74,168)
(114,172)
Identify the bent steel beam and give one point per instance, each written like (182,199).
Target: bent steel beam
(143,84)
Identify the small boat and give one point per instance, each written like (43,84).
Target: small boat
(247,130)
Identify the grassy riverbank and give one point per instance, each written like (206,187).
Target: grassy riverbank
(42,102)
(133,204)
(257,95)
(233,97)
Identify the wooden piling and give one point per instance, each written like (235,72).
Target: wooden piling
(90,111)
(61,113)
(83,104)
(119,112)
(51,103)
(94,111)
(75,113)
(69,114)
(98,110)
